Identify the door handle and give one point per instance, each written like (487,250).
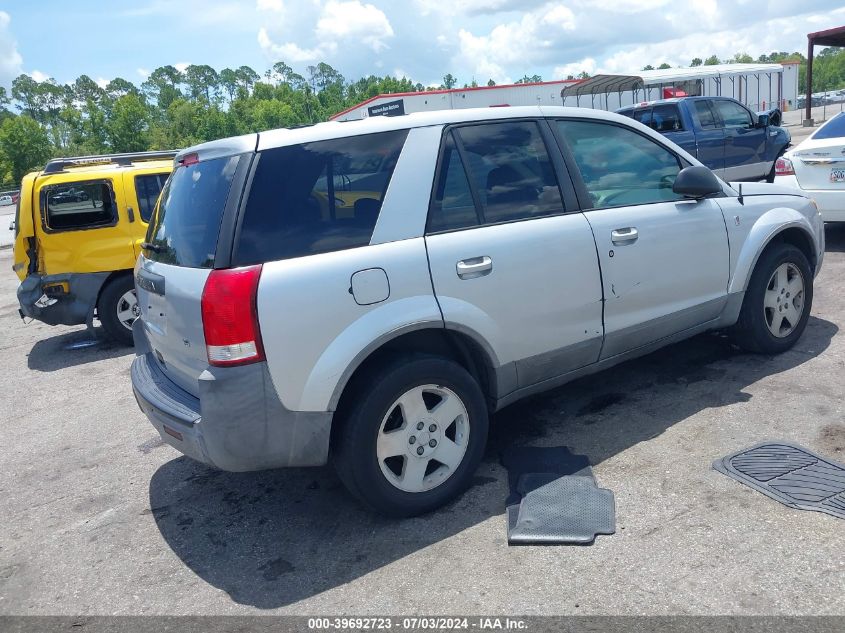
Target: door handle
(474,267)
(627,235)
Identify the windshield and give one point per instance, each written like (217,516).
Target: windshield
(187,223)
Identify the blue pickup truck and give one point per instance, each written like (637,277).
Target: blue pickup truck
(730,139)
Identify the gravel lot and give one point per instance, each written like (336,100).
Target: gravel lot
(100,518)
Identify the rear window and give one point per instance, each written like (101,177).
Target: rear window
(835,128)
(317,197)
(666,118)
(191,206)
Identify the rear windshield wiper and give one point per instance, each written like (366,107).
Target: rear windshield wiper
(155,248)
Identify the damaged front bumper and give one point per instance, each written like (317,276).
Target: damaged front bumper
(66,299)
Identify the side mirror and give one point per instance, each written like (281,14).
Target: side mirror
(696,182)
(762,120)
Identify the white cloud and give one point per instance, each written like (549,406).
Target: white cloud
(181,66)
(38,76)
(339,22)
(516,44)
(143,72)
(353,20)
(270,5)
(10,58)
(588,64)
(100,81)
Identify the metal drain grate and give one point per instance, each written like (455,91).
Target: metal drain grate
(791,475)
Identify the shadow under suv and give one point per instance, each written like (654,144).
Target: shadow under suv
(370,291)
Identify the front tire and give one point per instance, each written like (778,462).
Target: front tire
(117,309)
(777,302)
(414,437)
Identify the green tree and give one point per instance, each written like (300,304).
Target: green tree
(696,61)
(490,82)
(128,125)
(202,81)
(663,66)
(649,67)
(713,60)
(24,145)
(449,81)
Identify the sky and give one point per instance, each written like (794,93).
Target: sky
(423,40)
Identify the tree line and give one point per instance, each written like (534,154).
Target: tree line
(176,108)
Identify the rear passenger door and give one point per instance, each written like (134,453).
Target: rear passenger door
(142,188)
(664,259)
(511,257)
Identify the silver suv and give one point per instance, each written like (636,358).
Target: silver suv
(370,291)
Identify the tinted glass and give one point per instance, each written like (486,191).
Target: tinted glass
(186,226)
(666,118)
(835,128)
(511,171)
(317,197)
(79,205)
(643,115)
(148,187)
(452,207)
(705,115)
(619,166)
(733,114)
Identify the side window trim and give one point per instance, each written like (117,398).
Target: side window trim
(586,203)
(43,196)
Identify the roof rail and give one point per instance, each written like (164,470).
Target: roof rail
(58,165)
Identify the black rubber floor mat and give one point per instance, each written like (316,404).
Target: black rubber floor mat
(790,474)
(531,468)
(568,509)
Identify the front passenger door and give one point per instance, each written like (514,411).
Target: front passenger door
(745,144)
(664,259)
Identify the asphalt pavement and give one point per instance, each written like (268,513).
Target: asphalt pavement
(99,517)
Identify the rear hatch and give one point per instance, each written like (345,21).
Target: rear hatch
(189,236)
(821,165)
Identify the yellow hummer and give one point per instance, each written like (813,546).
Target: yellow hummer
(79,226)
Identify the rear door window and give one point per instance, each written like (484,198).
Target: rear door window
(666,118)
(706,117)
(317,197)
(78,205)
(148,187)
(643,115)
(452,206)
(187,224)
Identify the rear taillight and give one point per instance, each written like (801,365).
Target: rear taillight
(783,167)
(230,316)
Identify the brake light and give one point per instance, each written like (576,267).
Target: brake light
(189,159)
(783,167)
(230,317)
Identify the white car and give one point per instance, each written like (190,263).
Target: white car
(6,201)
(817,167)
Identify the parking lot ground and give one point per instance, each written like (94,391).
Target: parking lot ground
(100,518)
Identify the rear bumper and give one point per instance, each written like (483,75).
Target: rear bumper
(73,306)
(236,424)
(831,202)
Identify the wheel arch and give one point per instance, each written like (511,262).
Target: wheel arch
(460,345)
(116,274)
(773,228)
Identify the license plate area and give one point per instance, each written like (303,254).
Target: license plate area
(837,175)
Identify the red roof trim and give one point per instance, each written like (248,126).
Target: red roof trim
(448,90)
(839,30)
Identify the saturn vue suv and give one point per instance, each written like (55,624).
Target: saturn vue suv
(369,292)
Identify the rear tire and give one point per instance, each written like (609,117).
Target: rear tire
(777,301)
(116,307)
(411,441)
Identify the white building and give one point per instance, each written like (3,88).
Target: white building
(759,86)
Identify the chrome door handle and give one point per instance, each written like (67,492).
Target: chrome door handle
(474,267)
(627,235)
